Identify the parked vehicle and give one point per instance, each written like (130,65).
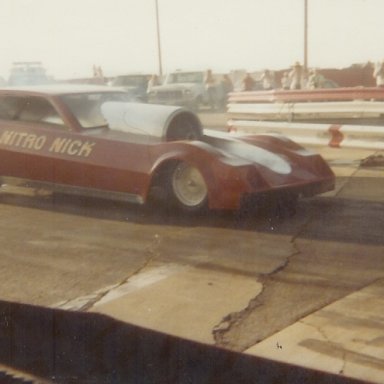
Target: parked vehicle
(182,88)
(134,84)
(28,73)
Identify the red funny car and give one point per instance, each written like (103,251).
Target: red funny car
(90,140)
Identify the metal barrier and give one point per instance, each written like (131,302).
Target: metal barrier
(309,110)
(339,117)
(333,135)
(320,94)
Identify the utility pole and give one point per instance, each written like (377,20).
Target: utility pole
(158,39)
(305,35)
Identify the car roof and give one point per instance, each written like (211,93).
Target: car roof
(58,89)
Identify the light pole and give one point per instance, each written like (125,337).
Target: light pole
(158,39)
(305,35)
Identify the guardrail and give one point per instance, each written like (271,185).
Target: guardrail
(339,117)
(332,135)
(309,110)
(320,94)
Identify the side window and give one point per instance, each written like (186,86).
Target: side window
(9,107)
(37,109)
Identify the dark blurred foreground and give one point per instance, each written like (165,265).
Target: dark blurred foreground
(79,347)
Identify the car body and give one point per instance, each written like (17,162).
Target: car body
(89,140)
(134,84)
(182,88)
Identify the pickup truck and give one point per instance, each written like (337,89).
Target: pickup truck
(182,88)
(134,84)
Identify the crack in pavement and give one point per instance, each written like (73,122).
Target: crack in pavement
(236,319)
(335,350)
(84,303)
(237,330)
(323,334)
(347,181)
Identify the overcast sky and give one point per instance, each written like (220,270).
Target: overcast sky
(69,36)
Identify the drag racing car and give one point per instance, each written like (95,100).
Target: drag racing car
(89,140)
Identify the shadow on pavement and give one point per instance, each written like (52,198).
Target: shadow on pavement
(342,219)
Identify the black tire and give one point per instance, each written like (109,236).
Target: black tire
(187,189)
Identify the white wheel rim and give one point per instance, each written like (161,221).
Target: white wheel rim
(189,185)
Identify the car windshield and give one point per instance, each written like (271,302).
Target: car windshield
(185,77)
(86,107)
(133,81)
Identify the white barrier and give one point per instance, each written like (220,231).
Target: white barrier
(319,110)
(333,135)
(304,95)
(284,112)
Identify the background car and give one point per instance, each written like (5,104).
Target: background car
(134,84)
(28,73)
(183,88)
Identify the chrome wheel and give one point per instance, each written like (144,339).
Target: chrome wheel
(189,187)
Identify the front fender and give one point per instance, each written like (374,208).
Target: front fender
(226,183)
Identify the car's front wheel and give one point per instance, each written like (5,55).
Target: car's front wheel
(187,188)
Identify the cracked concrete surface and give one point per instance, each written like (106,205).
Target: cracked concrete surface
(229,332)
(86,302)
(288,294)
(182,301)
(306,274)
(345,337)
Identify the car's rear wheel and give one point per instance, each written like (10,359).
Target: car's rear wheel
(187,188)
